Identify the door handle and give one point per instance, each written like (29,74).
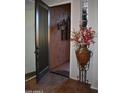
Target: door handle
(36,51)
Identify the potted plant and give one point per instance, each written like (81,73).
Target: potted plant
(82,40)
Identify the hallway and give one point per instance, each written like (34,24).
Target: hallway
(50,47)
(53,83)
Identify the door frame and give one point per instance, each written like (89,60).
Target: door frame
(36,30)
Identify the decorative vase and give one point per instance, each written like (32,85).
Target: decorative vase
(83,55)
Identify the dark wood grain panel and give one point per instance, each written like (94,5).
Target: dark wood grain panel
(59,49)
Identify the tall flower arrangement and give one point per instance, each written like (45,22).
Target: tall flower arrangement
(83,37)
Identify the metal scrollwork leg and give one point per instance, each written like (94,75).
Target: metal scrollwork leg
(83,73)
(79,74)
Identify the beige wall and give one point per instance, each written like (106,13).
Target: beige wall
(75,20)
(29,37)
(93,21)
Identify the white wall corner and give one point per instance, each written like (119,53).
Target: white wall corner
(75,21)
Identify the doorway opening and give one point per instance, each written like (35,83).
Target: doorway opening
(52,39)
(60,39)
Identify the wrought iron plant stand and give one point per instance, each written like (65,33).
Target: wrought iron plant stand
(83,71)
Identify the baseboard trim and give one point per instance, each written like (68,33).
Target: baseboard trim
(30,78)
(92,87)
(30,73)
